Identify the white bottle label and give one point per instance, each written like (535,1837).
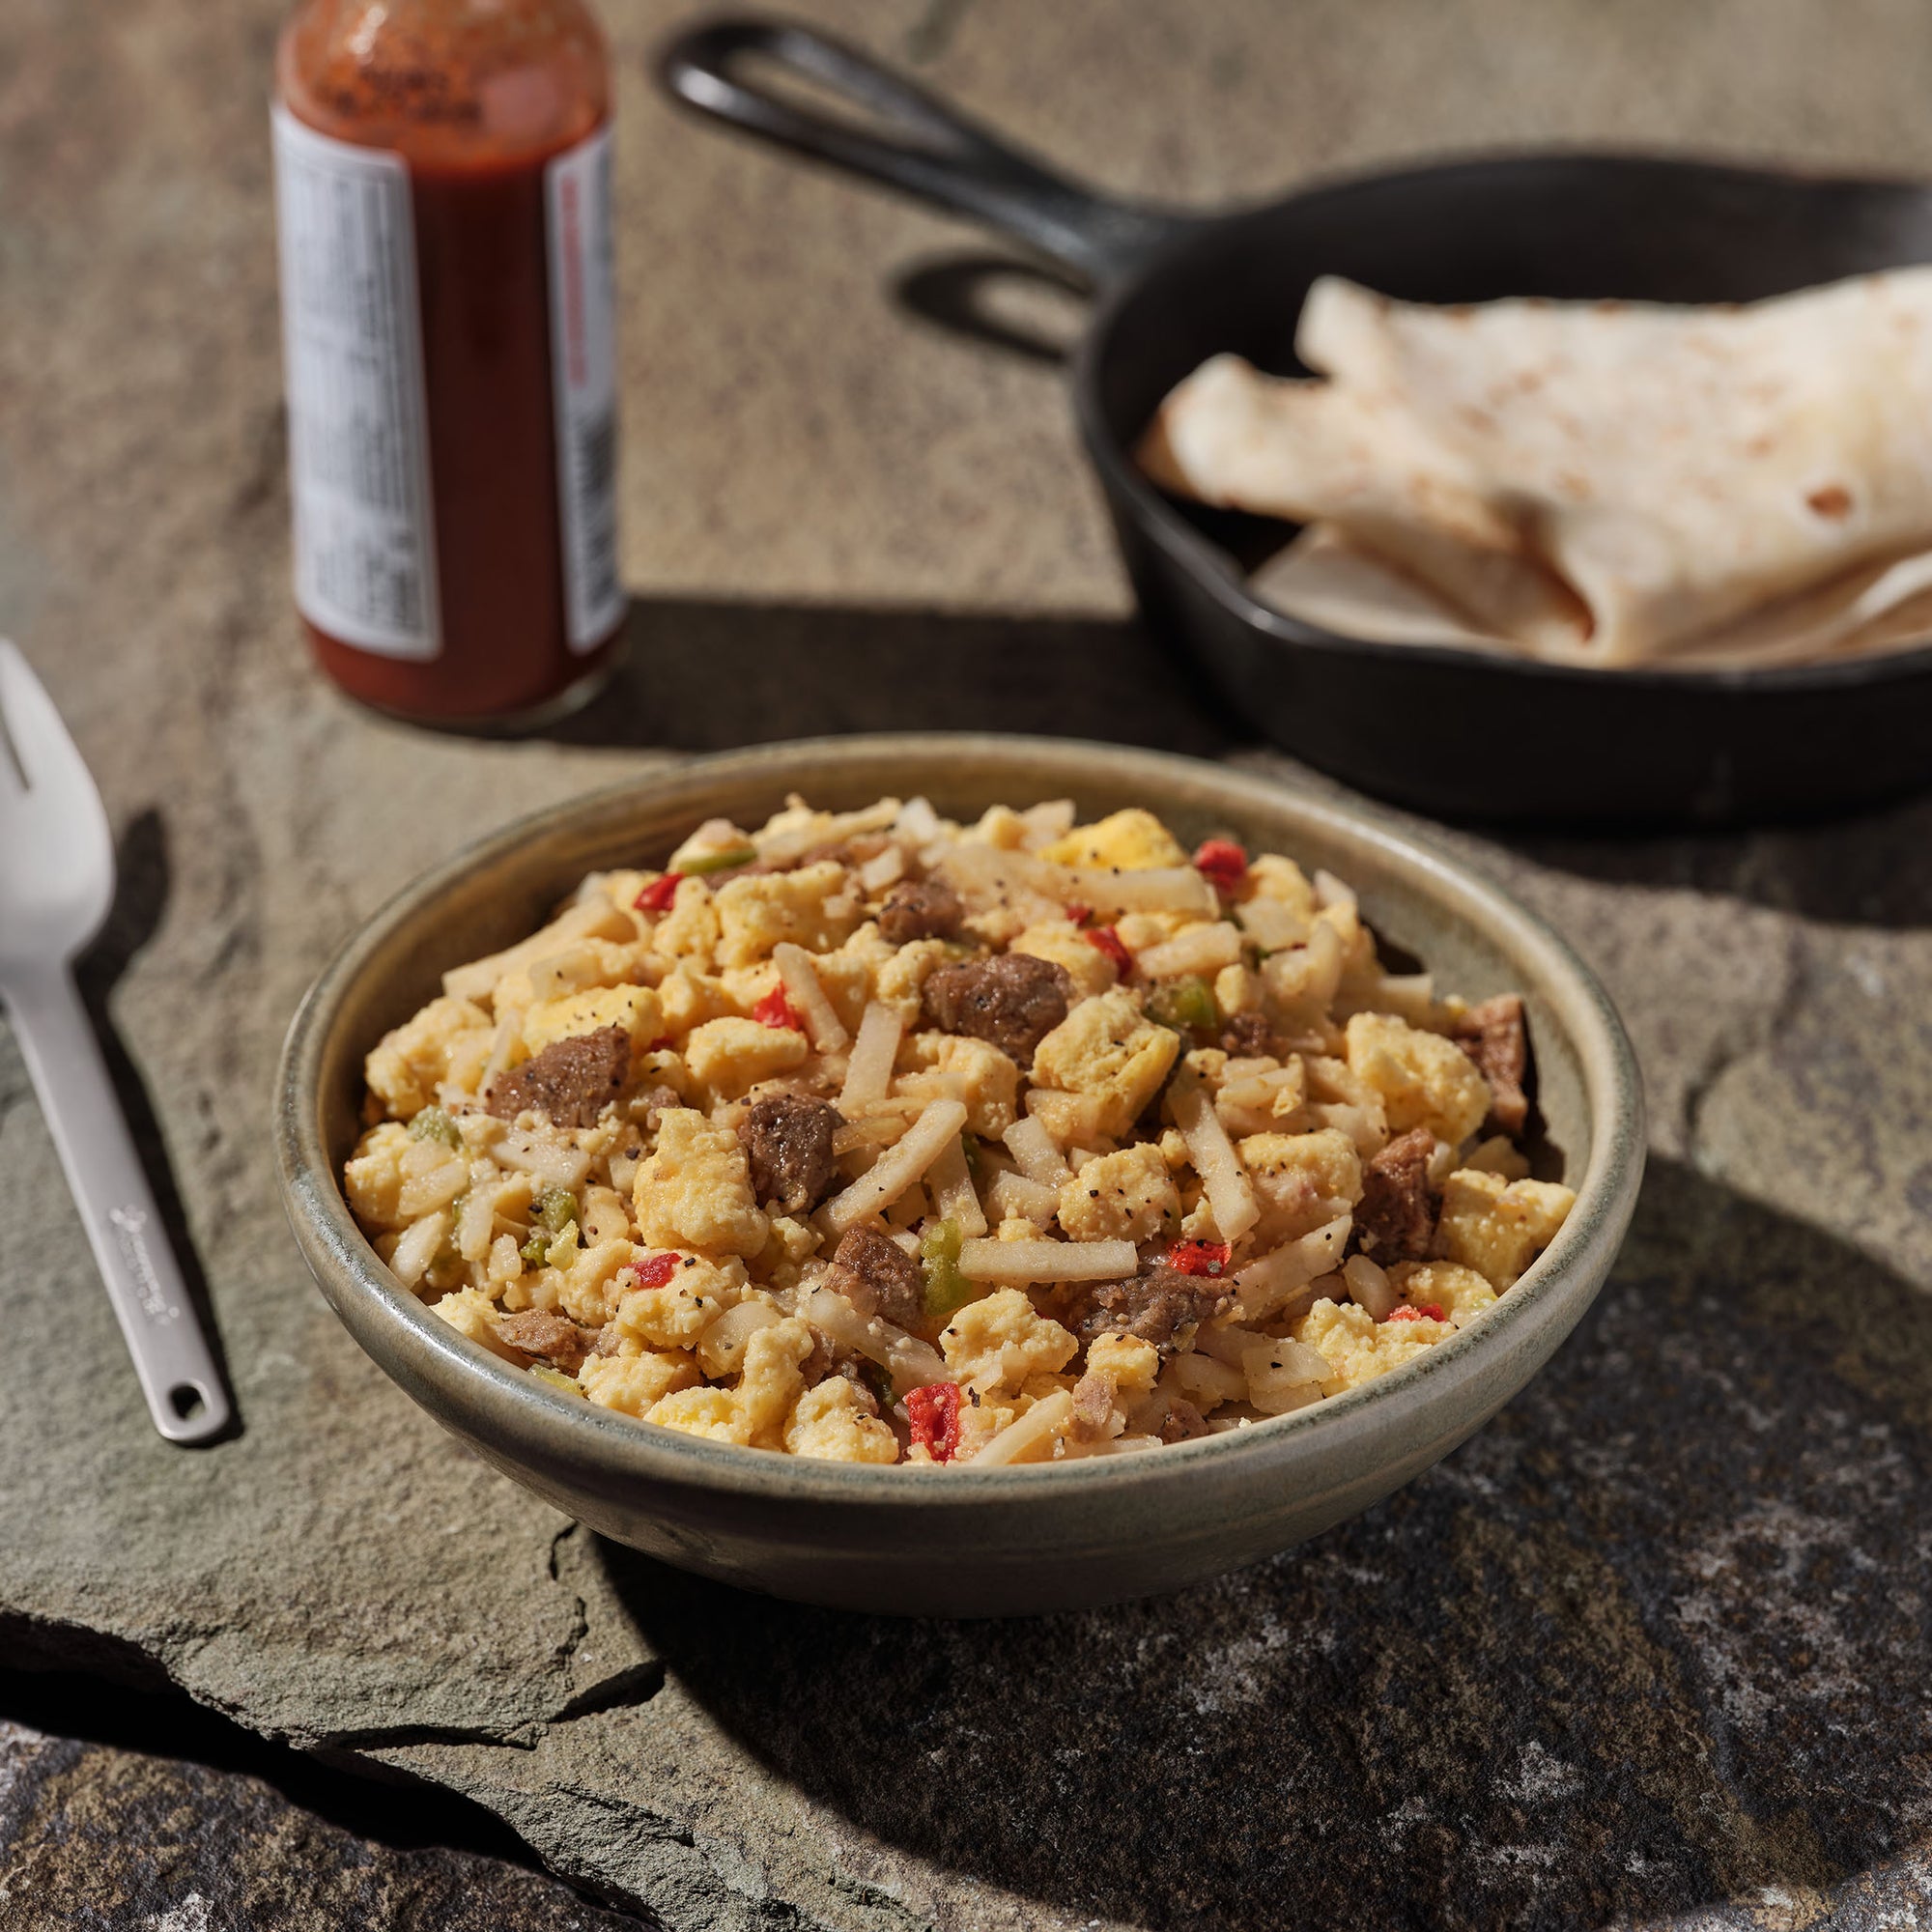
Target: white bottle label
(583,370)
(358,442)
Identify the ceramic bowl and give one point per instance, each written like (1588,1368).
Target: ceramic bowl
(963,1542)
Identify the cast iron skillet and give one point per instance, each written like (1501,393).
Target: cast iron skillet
(1448,732)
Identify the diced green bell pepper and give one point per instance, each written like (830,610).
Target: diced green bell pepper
(1183,1004)
(721,859)
(555,1208)
(433,1124)
(946,1288)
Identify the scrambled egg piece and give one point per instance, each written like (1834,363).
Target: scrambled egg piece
(1358,1348)
(900,979)
(634,1009)
(1001,827)
(829,1424)
(586,963)
(1135,840)
(1424,1080)
(846,976)
(1301,1180)
(1498,1227)
(1133,1364)
(690,928)
(768,1383)
(998,1342)
(1126,1196)
(1074,1120)
(731,1056)
(1359,944)
(1459,1291)
(469,1311)
(695,1190)
(1086,966)
(989,1080)
(1498,1154)
(1271,876)
(758,913)
(1106,1050)
(634,1383)
(701,1412)
(588,1289)
(449,1040)
(979,1423)
(373,1178)
(1336,1080)
(1237,989)
(1138,930)
(790,1242)
(687,998)
(580,965)
(675,1315)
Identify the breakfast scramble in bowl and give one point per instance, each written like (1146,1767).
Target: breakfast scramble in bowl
(873,1137)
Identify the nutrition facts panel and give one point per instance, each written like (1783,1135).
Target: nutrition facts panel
(358,451)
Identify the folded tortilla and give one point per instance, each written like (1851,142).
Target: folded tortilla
(1596,483)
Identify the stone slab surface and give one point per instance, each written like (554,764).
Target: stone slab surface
(1651,1649)
(124,1812)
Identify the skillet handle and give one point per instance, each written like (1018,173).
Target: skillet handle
(941,157)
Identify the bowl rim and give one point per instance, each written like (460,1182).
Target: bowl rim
(565,1430)
(1206,565)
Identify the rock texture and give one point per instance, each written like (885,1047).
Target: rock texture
(1650,1649)
(143,1814)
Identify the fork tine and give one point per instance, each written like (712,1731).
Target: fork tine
(12,766)
(43,749)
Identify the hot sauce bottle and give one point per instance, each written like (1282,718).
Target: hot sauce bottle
(442,177)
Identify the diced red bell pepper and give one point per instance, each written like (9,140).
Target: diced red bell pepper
(663,1044)
(1103,939)
(657,896)
(776,1011)
(1199,1257)
(653,1271)
(1078,913)
(1222,864)
(934,1414)
(1423,1311)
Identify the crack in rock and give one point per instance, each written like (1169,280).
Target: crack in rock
(1748,1034)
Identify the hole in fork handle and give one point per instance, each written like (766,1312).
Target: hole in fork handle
(188,1401)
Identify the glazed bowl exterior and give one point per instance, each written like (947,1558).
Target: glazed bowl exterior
(962,1542)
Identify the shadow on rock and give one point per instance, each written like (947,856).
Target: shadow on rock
(1653,1638)
(1018,307)
(109,1712)
(1867,871)
(708,676)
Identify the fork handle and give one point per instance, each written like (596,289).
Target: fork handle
(176,1370)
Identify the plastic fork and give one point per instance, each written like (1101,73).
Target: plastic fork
(56,885)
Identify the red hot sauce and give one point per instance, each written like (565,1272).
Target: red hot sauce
(443,185)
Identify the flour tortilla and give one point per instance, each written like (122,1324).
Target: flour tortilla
(1593,483)
(1325,578)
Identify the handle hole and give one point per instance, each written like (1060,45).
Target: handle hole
(186,1401)
(820,97)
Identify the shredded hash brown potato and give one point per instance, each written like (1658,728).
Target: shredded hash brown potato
(875,1138)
